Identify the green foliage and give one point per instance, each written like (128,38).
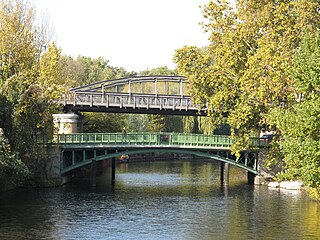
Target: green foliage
(104,122)
(191,124)
(22,41)
(300,127)
(49,77)
(244,71)
(158,71)
(33,120)
(85,70)
(137,123)
(30,80)
(5,115)
(300,123)
(173,123)
(306,67)
(20,38)
(11,167)
(156,123)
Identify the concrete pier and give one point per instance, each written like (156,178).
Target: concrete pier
(67,123)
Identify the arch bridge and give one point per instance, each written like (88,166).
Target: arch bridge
(164,95)
(83,149)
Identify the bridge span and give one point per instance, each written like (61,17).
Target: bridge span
(83,149)
(165,95)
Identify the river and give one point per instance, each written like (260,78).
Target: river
(159,200)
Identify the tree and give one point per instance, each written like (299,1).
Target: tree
(30,80)
(299,124)
(33,113)
(104,122)
(85,70)
(243,72)
(12,169)
(21,43)
(164,70)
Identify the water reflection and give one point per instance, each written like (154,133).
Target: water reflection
(159,200)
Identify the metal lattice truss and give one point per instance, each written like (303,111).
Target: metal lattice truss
(164,95)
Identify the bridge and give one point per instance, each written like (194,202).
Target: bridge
(165,95)
(82,149)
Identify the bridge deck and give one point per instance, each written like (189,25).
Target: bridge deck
(148,139)
(140,94)
(80,149)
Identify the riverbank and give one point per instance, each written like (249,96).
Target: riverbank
(314,193)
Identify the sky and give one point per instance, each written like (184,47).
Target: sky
(134,34)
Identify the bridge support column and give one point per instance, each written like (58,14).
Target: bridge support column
(221,172)
(94,173)
(251,178)
(226,174)
(113,169)
(67,123)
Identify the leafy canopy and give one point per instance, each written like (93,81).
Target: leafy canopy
(300,123)
(243,73)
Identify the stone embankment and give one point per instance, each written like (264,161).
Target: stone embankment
(288,185)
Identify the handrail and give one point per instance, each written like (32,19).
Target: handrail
(152,138)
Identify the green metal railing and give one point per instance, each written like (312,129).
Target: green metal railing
(80,149)
(151,138)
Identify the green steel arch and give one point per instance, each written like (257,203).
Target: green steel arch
(248,167)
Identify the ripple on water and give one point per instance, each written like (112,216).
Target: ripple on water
(159,201)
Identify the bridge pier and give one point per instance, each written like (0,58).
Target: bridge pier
(113,169)
(67,123)
(251,178)
(224,173)
(221,172)
(94,173)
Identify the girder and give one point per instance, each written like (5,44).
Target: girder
(213,147)
(214,157)
(109,84)
(120,96)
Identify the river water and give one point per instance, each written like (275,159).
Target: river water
(159,200)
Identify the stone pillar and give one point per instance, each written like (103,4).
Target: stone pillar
(67,123)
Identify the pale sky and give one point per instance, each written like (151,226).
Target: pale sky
(133,34)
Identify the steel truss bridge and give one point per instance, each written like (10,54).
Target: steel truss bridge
(82,149)
(165,95)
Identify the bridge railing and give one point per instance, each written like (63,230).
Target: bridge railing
(131,100)
(150,138)
(108,138)
(201,140)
